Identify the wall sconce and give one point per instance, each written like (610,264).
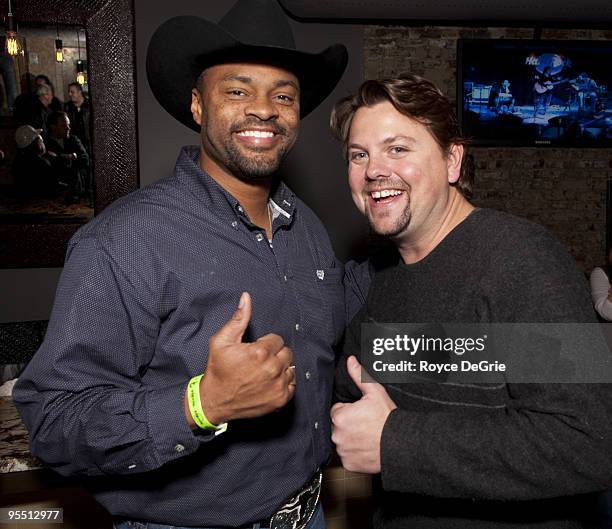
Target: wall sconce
(80,66)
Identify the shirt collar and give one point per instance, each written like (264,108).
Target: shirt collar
(205,188)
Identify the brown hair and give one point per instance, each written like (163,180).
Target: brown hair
(417,98)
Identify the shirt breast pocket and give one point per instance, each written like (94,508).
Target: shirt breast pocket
(321,298)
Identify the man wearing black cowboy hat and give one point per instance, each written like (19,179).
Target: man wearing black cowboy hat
(203,414)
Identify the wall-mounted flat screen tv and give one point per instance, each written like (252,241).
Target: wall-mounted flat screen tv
(535,92)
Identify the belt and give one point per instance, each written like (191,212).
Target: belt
(294,514)
(297,510)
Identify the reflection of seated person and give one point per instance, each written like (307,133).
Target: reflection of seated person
(40,107)
(78,113)
(41,79)
(33,172)
(601,290)
(586,89)
(34,108)
(68,155)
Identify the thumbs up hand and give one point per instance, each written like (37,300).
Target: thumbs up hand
(357,427)
(244,380)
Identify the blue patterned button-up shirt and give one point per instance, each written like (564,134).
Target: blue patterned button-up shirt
(144,287)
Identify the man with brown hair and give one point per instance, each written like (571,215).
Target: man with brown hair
(451,454)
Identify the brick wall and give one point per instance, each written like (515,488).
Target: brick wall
(563,189)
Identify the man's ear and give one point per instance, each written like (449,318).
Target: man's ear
(196,106)
(453,163)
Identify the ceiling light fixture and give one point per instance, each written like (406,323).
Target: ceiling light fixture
(59,48)
(80,78)
(12,46)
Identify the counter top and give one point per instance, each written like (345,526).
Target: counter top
(14,448)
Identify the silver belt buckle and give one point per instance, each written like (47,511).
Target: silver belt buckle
(298,511)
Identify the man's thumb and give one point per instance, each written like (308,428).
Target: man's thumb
(233,329)
(359,375)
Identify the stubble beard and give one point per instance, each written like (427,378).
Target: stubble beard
(253,167)
(250,166)
(396,229)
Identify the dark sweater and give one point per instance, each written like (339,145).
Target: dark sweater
(470,456)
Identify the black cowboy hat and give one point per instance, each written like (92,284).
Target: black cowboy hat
(252,30)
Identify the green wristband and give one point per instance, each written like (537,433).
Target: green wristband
(195,407)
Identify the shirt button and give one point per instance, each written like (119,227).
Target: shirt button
(307,375)
(316,425)
(240,209)
(259,237)
(285,279)
(234,224)
(179,448)
(297,327)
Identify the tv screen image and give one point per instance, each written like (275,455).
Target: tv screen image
(535,92)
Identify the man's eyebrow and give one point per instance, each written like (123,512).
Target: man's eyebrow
(240,78)
(392,139)
(286,82)
(356,146)
(386,141)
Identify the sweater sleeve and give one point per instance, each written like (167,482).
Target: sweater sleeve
(548,440)
(599,292)
(552,441)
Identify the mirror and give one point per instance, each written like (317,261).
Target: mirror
(35,226)
(45,128)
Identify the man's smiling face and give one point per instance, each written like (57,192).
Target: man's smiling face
(398,174)
(249,114)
